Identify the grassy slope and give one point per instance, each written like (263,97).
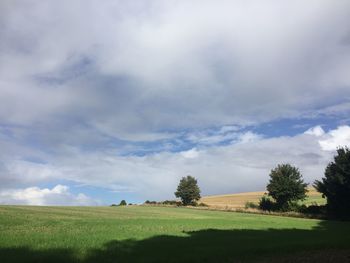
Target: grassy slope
(156,234)
(239,200)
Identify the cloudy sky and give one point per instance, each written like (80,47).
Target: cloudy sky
(108,100)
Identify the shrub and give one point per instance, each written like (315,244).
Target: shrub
(296,207)
(202,205)
(251,205)
(320,210)
(170,202)
(266,204)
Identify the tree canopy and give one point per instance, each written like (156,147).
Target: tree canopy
(286,185)
(335,186)
(188,190)
(122,202)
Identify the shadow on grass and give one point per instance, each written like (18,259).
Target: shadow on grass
(210,246)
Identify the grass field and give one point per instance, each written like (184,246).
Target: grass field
(239,200)
(164,234)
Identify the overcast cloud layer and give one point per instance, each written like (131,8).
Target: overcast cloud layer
(128,96)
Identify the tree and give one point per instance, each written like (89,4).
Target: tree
(335,186)
(286,185)
(122,202)
(188,190)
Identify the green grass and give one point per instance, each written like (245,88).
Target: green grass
(312,200)
(158,234)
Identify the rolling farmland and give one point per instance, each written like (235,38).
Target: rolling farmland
(235,201)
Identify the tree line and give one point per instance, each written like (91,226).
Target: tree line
(286,188)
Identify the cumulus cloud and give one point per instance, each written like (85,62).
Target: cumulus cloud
(317,131)
(336,138)
(240,166)
(58,195)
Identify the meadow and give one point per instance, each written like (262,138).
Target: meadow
(165,234)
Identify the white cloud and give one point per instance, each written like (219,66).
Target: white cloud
(82,83)
(222,135)
(193,153)
(249,137)
(58,195)
(133,70)
(316,131)
(220,169)
(339,137)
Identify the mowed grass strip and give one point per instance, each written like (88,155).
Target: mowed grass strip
(239,200)
(159,234)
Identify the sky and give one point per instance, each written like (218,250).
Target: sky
(108,100)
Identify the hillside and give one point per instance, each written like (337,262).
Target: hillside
(240,199)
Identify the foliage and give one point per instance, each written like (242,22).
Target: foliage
(286,185)
(113,205)
(122,202)
(266,204)
(251,205)
(170,202)
(188,190)
(297,207)
(335,186)
(166,202)
(318,210)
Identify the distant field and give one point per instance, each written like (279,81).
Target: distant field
(239,200)
(164,234)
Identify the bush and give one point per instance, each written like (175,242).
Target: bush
(202,205)
(320,210)
(266,204)
(296,207)
(170,202)
(113,205)
(251,205)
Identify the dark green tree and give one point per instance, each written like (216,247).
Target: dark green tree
(335,186)
(122,202)
(286,185)
(188,190)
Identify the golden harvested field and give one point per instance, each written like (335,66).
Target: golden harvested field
(239,200)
